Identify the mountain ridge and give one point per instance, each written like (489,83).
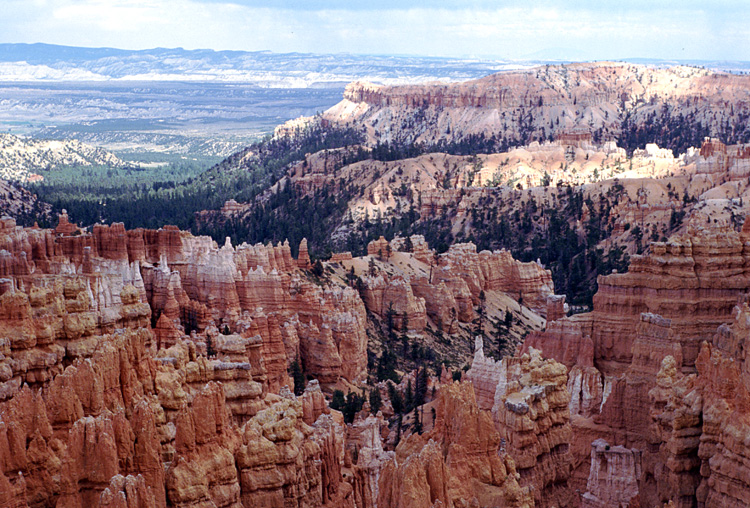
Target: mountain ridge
(49,62)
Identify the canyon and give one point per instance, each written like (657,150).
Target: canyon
(153,368)
(157,367)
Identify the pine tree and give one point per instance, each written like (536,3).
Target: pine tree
(408,245)
(409,396)
(417,421)
(508,319)
(338,400)
(420,393)
(298,376)
(376,401)
(404,322)
(317,268)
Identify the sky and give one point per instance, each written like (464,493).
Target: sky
(507,29)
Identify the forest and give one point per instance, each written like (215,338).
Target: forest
(175,193)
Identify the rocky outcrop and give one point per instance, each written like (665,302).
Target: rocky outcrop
(391,297)
(663,307)
(530,409)
(613,481)
(127,492)
(366,439)
(379,248)
(203,469)
(699,420)
(98,408)
(549,95)
(192,283)
(448,288)
(530,281)
(303,259)
(694,280)
(565,341)
(459,461)
(284,462)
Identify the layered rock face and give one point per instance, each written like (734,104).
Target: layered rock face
(613,480)
(365,435)
(447,288)
(194,283)
(622,390)
(458,463)
(273,460)
(694,280)
(528,399)
(96,419)
(549,95)
(99,409)
(394,296)
(669,300)
(700,422)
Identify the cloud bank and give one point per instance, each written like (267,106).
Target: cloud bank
(512,29)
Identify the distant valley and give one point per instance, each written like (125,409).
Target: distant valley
(44,62)
(162,118)
(162,104)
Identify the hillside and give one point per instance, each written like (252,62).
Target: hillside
(16,201)
(582,210)
(21,157)
(634,104)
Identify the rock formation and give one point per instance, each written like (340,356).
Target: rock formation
(549,95)
(94,404)
(447,288)
(150,368)
(529,403)
(643,341)
(613,481)
(459,461)
(698,423)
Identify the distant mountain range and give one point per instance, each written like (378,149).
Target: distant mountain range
(46,62)
(33,62)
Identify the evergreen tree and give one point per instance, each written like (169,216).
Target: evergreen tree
(417,421)
(397,401)
(420,392)
(317,268)
(404,322)
(351,277)
(298,376)
(409,396)
(408,245)
(376,401)
(352,406)
(338,400)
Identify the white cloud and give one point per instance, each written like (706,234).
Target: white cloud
(512,32)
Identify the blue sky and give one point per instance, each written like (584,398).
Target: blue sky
(515,29)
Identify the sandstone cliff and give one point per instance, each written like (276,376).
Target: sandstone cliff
(555,97)
(459,463)
(643,341)
(94,405)
(528,399)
